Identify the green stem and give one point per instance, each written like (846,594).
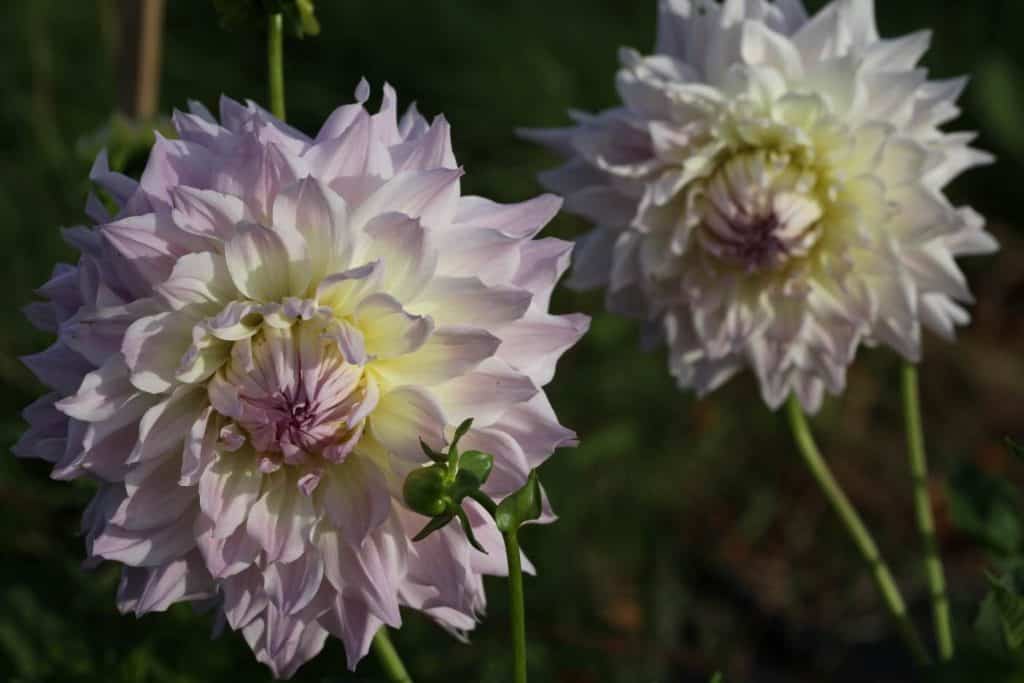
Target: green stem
(388,657)
(923,508)
(516,609)
(858,532)
(275,63)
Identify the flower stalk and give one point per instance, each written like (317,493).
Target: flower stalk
(516,602)
(857,531)
(438,491)
(275,63)
(517,611)
(922,507)
(388,657)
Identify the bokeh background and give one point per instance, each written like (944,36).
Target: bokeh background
(691,538)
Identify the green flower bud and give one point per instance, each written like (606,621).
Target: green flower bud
(437,490)
(426,491)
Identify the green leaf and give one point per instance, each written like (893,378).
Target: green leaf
(1010,606)
(987,508)
(717,678)
(522,506)
(989,625)
(1015,448)
(998,95)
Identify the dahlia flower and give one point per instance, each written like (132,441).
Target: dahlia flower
(770,193)
(250,349)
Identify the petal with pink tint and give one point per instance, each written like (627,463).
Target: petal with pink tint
(401,244)
(468,301)
(485,392)
(320,216)
(206,213)
(432,196)
(228,488)
(355,498)
(534,344)
(164,427)
(281,519)
(103,392)
(153,348)
(143,590)
(201,280)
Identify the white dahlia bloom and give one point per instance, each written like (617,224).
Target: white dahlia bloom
(250,350)
(770,193)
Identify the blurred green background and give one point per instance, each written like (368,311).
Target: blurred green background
(691,538)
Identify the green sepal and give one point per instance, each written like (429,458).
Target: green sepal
(433,525)
(468,529)
(485,501)
(432,454)
(522,506)
(460,432)
(476,465)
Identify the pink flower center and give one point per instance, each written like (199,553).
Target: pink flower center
(293,396)
(759,211)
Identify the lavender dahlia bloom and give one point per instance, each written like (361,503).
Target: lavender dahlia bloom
(250,350)
(770,193)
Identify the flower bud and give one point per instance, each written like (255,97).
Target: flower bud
(437,490)
(426,491)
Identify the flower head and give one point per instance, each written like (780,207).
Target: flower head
(251,349)
(770,193)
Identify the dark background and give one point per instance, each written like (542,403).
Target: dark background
(691,538)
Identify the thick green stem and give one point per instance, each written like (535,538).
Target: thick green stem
(388,657)
(923,509)
(855,527)
(275,64)
(517,612)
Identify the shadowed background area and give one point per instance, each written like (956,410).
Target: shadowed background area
(691,538)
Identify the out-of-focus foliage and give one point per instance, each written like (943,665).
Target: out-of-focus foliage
(241,15)
(990,509)
(690,537)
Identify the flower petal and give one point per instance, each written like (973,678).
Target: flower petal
(388,329)
(467,300)
(318,214)
(355,497)
(228,488)
(449,352)
(259,264)
(401,244)
(403,417)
